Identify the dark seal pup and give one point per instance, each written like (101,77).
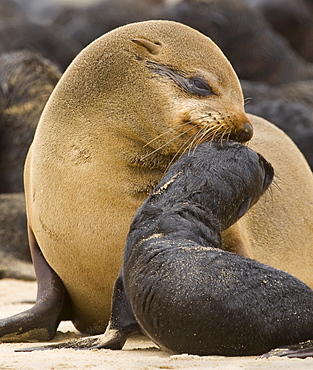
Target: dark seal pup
(185,292)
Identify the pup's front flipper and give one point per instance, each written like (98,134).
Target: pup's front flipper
(111,339)
(300,350)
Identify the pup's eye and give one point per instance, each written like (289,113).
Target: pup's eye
(200,87)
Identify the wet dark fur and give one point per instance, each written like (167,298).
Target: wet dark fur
(188,294)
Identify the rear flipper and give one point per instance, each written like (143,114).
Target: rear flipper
(122,325)
(41,321)
(300,350)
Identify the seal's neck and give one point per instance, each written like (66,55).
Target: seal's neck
(181,221)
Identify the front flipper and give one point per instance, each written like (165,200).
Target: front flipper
(300,350)
(93,342)
(41,321)
(122,325)
(111,339)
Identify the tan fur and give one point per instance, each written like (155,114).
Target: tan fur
(278,230)
(88,169)
(85,176)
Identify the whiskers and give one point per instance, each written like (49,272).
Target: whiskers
(247,100)
(170,141)
(210,134)
(207,128)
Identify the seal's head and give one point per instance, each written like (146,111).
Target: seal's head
(160,83)
(224,179)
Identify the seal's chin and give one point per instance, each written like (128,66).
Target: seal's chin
(243,135)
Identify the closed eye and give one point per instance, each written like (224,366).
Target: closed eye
(195,85)
(199,86)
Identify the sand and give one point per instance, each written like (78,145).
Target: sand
(138,353)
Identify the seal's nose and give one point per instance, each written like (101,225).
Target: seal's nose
(245,134)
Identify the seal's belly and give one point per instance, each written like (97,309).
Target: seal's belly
(80,222)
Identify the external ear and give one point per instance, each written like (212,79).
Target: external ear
(269,172)
(152,47)
(244,207)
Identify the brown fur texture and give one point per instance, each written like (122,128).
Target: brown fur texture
(26,82)
(109,130)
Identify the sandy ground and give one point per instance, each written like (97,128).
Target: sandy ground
(138,353)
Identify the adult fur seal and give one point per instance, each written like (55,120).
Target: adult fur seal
(185,292)
(120,113)
(87,163)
